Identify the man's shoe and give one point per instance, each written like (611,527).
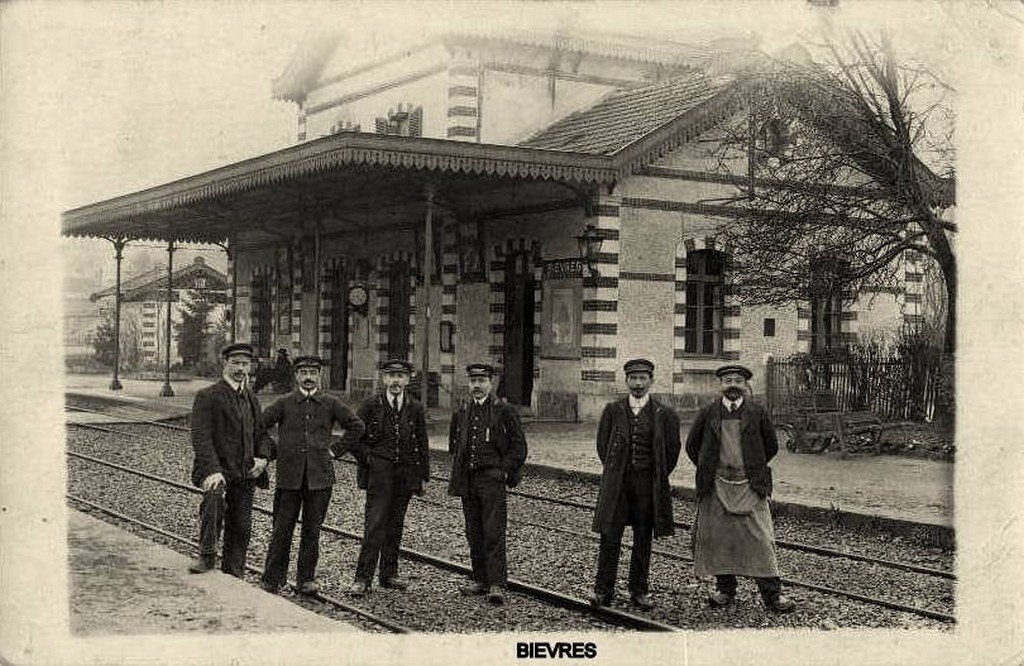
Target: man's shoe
(473,588)
(496,595)
(273,588)
(598,599)
(395,583)
(779,604)
(359,588)
(308,588)
(202,564)
(720,599)
(643,601)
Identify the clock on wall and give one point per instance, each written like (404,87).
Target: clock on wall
(357,298)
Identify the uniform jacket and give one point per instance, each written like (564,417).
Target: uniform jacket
(304,438)
(757,440)
(613,450)
(217,435)
(507,438)
(412,424)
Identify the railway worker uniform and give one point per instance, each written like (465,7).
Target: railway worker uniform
(304,419)
(230,461)
(638,444)
(731,442)
(488,450)
(394,463)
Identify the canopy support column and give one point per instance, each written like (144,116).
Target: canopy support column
(119,243)
(428,271)
(167,391)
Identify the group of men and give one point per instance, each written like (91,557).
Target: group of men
(638,442)
(233,444)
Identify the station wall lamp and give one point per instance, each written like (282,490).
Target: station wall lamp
(590,246)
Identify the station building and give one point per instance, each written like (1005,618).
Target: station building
(535,202)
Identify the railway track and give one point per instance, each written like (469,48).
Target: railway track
(575,504)
(659,552)
(612,616)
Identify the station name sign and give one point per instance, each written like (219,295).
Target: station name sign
(563,269)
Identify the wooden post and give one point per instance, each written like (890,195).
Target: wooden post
(769,378)
(167,391)
(119,243)
(428,271)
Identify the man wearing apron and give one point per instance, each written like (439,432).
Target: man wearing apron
(731,442)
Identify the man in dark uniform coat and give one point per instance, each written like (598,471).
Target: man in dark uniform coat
(305,470)
(230,461)
(638,443)
(488,450)
(394,463)
(731,442)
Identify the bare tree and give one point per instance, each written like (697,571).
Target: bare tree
(835,178)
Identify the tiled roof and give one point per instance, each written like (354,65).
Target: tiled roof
(625,116)
(156,279)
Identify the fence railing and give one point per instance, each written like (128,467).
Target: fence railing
(893,388)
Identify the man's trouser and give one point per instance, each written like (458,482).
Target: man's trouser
(388,490)
(228,508)
(288,504)
(635,506)
(484,507)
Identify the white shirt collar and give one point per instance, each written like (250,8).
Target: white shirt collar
(636,404)
(396,400)
(235,386)
(307,394)
(481,400)
(728,403)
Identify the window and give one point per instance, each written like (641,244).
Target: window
(826,289)
(769,328)
(200,283)
(704,300)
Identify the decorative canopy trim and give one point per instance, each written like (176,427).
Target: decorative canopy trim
(348,149)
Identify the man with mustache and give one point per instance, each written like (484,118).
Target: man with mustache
(731,442)
(638,444)
(394,463)
(230,461)
(488,450)
(305,470)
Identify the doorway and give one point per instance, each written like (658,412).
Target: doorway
(337,279)
(519,309)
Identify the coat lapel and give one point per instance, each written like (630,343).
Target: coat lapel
(715,420)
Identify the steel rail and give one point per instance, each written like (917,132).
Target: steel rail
(319,596)
(781,543)
(552,597)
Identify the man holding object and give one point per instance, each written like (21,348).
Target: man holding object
(230,461)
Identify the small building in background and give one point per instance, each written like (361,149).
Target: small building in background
(144,309)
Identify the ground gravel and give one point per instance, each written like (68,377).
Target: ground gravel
(536,555)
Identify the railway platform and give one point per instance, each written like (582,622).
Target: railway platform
(902,491)
(123,584)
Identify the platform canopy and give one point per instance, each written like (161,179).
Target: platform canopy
(366,181)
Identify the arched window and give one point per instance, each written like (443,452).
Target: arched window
(704,301)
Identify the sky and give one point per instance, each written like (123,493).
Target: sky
(133,94)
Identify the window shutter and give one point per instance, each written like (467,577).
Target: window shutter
(381,126)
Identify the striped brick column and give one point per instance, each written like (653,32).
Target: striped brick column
(328,299)
(913,291)
(463,102)
(449,285)
(296,319)
(496,330)
(599,365)
(731,310)
(382,295)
